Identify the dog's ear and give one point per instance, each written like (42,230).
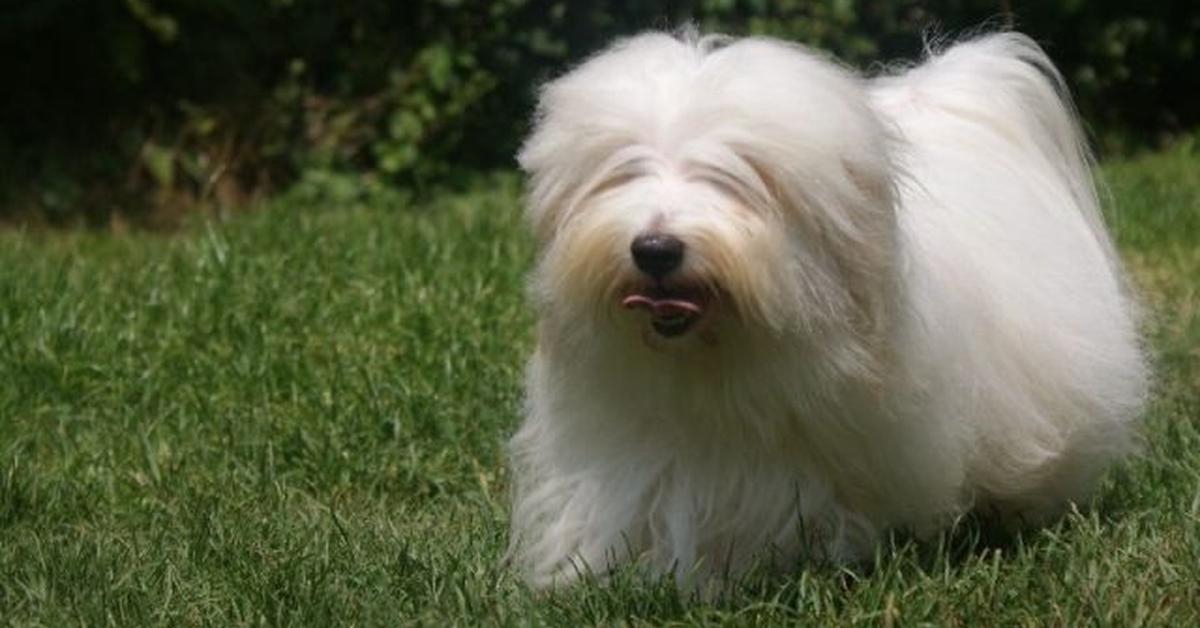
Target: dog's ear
(545,213)
(544,201)
(541,223)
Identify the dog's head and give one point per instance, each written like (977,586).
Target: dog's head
(683,189)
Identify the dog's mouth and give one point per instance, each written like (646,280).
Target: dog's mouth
(673,310)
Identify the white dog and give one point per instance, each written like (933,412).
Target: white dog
(783,308)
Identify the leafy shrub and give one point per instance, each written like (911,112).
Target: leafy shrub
(143,108)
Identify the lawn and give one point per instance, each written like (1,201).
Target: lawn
(297,417)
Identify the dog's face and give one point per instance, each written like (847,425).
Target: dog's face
(675,204)
(665,251)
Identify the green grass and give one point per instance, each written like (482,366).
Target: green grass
(298,417)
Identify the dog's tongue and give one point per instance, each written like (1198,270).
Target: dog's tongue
(671,316)
(662,308)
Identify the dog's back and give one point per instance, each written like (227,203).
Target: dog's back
(1013,279)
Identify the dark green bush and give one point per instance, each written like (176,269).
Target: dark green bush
(142,108)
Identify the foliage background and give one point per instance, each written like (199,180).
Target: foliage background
(137,111)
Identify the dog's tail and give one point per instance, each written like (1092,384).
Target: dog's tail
(1006,82)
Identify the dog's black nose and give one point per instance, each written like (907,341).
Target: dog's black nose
(657,254)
